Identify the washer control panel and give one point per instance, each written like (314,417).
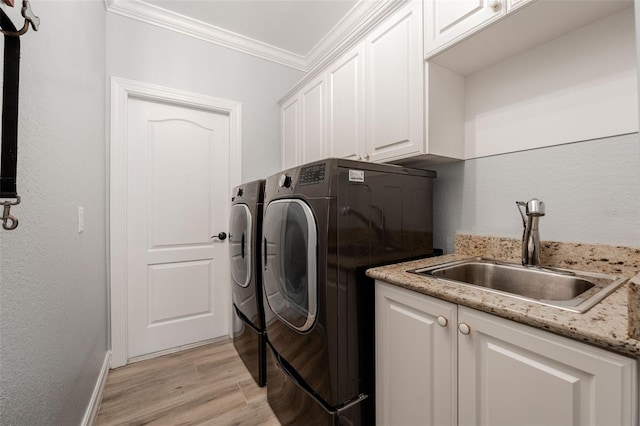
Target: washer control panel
(312,175)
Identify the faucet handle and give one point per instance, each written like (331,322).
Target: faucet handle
(535,207)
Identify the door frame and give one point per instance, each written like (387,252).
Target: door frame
(121,91)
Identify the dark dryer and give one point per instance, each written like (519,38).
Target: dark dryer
(249,336)
(325,223)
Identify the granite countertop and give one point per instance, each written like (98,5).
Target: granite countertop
(607,324)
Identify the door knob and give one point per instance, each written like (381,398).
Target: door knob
(221,236)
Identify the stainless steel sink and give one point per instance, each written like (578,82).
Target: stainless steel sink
(575,291)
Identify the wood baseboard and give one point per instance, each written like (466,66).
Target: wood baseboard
(96,397)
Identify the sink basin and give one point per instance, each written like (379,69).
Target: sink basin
(570,290)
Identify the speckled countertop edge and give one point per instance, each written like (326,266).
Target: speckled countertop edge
(605,325)
(634,307)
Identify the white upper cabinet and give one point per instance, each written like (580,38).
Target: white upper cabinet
(395,87)
(514,4)
(303,124)
(466,36)
(345,80)
(313,120)
(537,74)
(290,127)
(447,21)
(501,76)
(373,98)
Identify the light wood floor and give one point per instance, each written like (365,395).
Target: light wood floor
(208,386)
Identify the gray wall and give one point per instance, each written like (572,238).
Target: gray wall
(636,6)
(150,54)
(53,286)
(590,190)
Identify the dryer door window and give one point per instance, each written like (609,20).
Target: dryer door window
(289,262)
(240,233)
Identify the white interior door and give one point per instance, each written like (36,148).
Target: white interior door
(177,198)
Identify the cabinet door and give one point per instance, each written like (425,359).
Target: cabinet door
(290,116)
(395,87)
(448,21)
(512,374)
(415,358)
(313,107)
(346,106)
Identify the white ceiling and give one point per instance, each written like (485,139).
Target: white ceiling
(295,26)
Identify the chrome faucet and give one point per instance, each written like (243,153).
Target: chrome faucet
(534,209)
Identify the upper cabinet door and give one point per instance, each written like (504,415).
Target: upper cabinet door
(395,87)
(448,21)
(290,116)
(345,79)
(313,113)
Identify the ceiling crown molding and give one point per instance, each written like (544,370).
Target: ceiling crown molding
(358,21)
(158,16)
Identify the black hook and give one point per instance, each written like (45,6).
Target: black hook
(9,222)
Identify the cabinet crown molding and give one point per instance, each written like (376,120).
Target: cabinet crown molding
(322,57)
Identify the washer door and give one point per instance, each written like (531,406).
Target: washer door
(240,248)
(289,262)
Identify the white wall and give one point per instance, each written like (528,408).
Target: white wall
(151,54)
(590,190)
(53,286)
(580,86)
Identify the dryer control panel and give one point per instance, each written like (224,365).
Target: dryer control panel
(312,175)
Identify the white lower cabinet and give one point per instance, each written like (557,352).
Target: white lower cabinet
(480,369)
(415,358)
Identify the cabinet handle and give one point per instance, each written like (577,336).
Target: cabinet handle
(442,321)
(366,157)
(464,328)
(495,5)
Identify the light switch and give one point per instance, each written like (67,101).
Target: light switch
(80,219)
